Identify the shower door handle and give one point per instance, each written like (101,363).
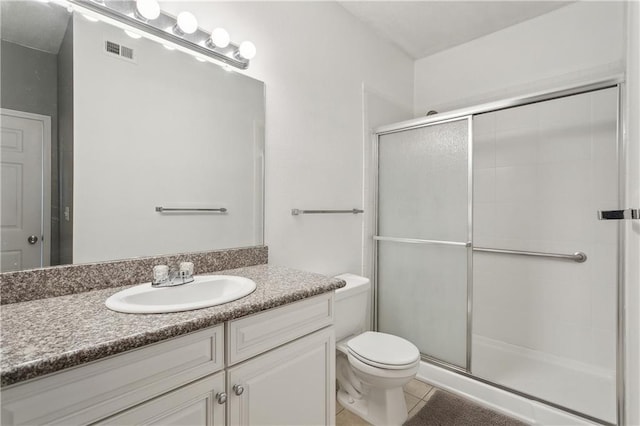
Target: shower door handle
(619,214)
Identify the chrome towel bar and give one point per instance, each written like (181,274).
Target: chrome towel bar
(165,209)
(578,256)
(421,241)
(296,212)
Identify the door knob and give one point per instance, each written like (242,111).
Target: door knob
(221,397)
(32,239)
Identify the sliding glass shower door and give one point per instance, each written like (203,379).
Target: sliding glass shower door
(492,260)
(546,326)
(423,238)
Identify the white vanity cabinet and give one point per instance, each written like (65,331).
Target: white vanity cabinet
(277,367)
(193,404)
(293,384)
(94,391)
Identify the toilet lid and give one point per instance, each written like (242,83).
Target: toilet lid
(383,350)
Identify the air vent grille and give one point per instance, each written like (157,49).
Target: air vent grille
(112,47)
(116,49)
(126,52)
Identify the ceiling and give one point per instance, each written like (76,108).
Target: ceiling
(422,28)
(33,24)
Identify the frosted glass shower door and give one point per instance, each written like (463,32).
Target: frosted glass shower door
(423,238)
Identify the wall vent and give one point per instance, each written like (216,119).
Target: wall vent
(126,52)
(112,47)
(116,49)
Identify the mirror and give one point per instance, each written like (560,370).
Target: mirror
(99,129)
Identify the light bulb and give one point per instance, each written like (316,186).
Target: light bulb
(132,34)
(220,37)
(247,50)
(187,23)
(148,9)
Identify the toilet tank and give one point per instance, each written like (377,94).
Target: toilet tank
(352,306)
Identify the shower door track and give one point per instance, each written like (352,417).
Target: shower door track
(565,91)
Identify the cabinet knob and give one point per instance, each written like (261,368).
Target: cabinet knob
(221,397)
(238,389)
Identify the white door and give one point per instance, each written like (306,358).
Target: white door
(24,154)
(291,385)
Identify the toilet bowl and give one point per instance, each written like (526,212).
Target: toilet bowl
(371,367)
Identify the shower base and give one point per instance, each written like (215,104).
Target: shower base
(565,382)
(582,388)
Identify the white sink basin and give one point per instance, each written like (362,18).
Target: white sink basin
(203,292)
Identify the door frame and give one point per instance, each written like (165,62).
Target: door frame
(45,214)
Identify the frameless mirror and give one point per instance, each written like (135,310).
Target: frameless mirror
(100,129)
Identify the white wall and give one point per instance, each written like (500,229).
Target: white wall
(65,135)
(633,227)
(579,41)
(313,58)
(164,131)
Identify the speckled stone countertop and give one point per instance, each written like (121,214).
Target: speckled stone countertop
(47,335)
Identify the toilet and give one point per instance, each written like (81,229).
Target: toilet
(371,367)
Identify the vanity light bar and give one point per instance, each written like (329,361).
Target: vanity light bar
(163,27)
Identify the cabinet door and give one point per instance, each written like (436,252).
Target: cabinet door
(291,385)
(194,404)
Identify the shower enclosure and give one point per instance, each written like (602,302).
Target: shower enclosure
(489,253)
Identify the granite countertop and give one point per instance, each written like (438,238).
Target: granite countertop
(48,335)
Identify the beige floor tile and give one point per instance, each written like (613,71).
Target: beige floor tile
(429,394)
(411,401)
(347,418)
(416,409)
(417,388)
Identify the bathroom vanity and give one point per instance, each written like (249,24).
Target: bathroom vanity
(265,359)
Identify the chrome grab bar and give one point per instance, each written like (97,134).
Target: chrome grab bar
(165,209)
(296,212)
(578,256)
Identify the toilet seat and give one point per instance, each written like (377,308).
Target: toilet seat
(383,350)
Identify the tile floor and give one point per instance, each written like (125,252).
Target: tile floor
(416,393)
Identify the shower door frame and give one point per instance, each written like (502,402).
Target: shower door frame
(468,113)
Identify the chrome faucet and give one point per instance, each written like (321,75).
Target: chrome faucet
(163,278)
